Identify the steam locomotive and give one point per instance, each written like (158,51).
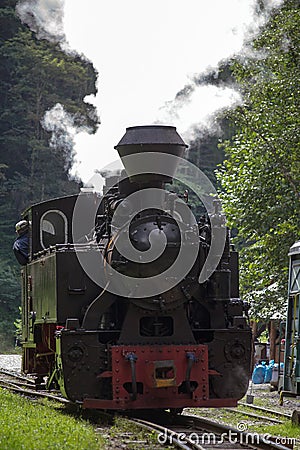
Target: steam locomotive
(126,301)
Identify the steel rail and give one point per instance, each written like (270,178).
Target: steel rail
(251,414)
(270,411)
(30,392)
(244,436)
(182,430)
(16,375)
(172,437)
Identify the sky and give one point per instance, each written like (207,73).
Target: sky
(145,53)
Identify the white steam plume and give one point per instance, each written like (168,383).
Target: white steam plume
(61,124)
(64,127)
(187,113)
(186,109)
(113,33)
(44,17)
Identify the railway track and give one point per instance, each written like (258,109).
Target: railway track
(266,410)
(187,432)
(190,432)
(254,415)
(26,386)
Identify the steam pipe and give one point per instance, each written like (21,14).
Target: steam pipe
(131,357)
(191,359)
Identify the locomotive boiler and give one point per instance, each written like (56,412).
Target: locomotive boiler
(128,303)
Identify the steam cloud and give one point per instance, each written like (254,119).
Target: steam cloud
(61,125)
(207,88)
(184,110)
(44,17)
(202,90)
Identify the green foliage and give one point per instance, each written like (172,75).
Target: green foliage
(10,290)
(261,172)
(205,151)
(25,425)
(35,76)
(206,154)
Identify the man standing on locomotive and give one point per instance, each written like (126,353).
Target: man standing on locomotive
(21,244)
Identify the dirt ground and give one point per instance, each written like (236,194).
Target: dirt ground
(10,362)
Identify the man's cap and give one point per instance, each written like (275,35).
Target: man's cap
(22,226)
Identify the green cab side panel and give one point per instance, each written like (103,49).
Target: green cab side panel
(44,292)
(60,287)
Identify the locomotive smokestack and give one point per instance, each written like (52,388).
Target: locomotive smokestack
(154,139)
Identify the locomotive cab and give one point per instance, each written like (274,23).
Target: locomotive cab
(54,287)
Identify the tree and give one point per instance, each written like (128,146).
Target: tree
(261,172)
(205,151)
(36,78)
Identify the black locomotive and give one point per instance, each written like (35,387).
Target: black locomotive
(111,316)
